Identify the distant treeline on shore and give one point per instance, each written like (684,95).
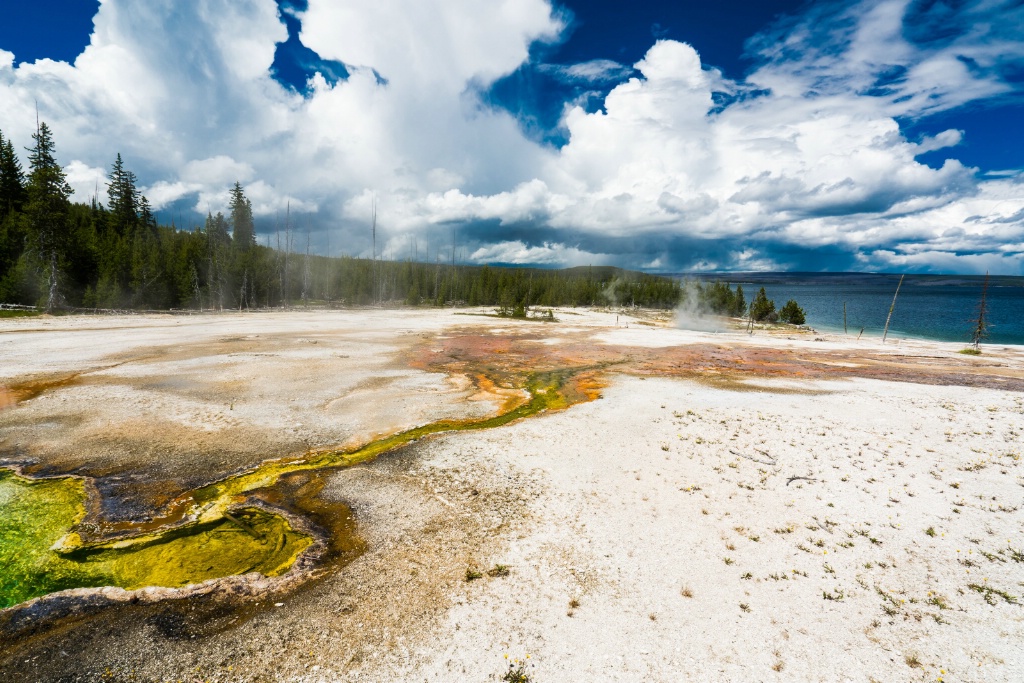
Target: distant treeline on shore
(56,254)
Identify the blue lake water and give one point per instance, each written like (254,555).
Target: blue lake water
(932,307)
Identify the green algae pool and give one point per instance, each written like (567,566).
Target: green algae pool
(41,552)
(37,521)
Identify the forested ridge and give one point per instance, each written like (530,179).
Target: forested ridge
(58,254)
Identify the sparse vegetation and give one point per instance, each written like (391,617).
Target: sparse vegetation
(18,313)
(990,594)
(516,672)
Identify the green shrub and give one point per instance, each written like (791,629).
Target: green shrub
(792,313)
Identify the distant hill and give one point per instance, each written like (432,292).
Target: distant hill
(920,280)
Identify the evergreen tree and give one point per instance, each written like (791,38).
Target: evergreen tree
(13,265)
(792,313)
(146,218)
(217,243)
(739,303)
(243,231)
(12,180)
(48,204)
(763,308)
(124,198)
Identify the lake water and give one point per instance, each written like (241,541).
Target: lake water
(932,307)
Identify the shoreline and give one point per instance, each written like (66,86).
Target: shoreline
(487,311)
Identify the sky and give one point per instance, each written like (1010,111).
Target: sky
(669,136)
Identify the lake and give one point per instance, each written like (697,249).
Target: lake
(941,307)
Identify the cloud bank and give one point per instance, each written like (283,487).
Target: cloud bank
(802,164)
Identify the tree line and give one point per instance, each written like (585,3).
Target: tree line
(59,254)
(55,253)
(721,299)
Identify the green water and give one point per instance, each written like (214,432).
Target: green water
(41,553)
(38,553)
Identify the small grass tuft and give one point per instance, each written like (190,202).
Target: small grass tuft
(930,531)
(990,594)
(516,673)
(498,570)
(686,592)
(473,574)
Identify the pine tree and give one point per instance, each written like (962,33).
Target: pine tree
(739,303)
(48,203)
(124,198)
(146,218)
(242,226)
(12,225)
(792,313)
(12,180)
(762,308)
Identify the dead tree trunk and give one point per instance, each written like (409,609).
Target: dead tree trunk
(891,309)
(980,326)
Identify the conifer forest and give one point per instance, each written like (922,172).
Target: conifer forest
(59,254)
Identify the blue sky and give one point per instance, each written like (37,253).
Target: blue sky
(879,135)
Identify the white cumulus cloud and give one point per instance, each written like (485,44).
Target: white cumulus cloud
(676,168)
